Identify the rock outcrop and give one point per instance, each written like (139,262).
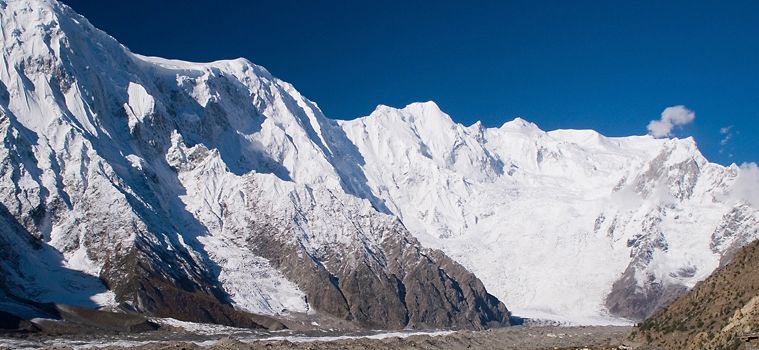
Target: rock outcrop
(714,314)
(203,192)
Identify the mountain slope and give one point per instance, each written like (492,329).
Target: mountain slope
(566,224)
(218,185)
(715,313)
(196,191)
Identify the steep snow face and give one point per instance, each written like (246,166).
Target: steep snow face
(222,180)
(189,186)
(55,183)
(551,220)
(86,124)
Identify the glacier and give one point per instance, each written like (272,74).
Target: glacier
(556,223)
(154,182)
(206,192)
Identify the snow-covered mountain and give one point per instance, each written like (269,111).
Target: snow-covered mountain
(192,188)
(216,186)
(568,224)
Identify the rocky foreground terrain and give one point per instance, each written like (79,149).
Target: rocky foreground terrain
(714,314)
(520,337)
(138,191)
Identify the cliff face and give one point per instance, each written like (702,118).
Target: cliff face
(715,313)
(203,192)
(147,183)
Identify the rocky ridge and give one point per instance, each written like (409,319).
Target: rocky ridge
(714,314)
(139,183)
(203,192)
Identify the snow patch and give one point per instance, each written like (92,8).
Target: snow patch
(252,283)
(140,105)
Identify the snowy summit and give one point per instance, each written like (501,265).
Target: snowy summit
(173,188)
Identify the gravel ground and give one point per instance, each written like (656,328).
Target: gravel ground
(519,337)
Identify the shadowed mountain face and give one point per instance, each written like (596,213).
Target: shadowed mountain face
(202,192)
(715,313)
(213,191)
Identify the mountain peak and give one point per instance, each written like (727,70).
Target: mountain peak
(424,105)
(413,106)
(26,18)
(519,123)
(426,113)
(221,179)
(29,5)
(113,159)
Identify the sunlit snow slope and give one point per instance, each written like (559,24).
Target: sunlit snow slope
(197,191)
(555,223)
(188,187)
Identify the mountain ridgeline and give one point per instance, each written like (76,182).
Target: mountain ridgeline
(169,182)
(215,192)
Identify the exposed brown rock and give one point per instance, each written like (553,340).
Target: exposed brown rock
(138,284)
(116,195)
(714,313)
(406,287)
(120,322)
(627,300)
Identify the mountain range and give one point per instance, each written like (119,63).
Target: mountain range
(213,192)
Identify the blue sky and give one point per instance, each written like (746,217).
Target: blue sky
(611,66)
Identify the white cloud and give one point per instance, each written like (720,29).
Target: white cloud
(671,117)
(725,139)
(727,135)
(746,187)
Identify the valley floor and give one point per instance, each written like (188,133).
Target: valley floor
(518,337)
